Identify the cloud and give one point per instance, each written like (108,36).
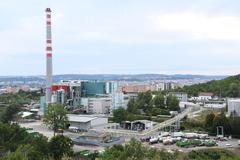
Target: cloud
(198,26)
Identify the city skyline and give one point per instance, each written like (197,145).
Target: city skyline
(122,37)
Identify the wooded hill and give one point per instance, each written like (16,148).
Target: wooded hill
(228,87)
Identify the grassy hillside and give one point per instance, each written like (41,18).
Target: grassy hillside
(228,87)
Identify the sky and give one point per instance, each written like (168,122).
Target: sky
(121,37)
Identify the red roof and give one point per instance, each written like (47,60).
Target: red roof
(56,87)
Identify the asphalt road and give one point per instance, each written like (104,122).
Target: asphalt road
(38,126)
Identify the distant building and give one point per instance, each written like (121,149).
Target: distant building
(68,92)
(119,100)
(168,86)
(205,96)
(158,86)
(136,88)
(181,96)
(59,96)
(233,107)
(99,105)
(138,125)
(11,89)
(86,122)
(163,86)
(93,88)
(96,105)
(213,104)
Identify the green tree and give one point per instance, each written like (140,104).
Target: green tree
(39,142)
(55,116)
(132,107)
(9,113)
(209,121)
(221,120)
(60,146)
(115,152)
(234,90)
(172,103)
(134,150)
(235,123)
(144,101)
(11,136)
(119,115)
(159,101)
(25,152)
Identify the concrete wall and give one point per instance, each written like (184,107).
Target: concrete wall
(234,106)
(99,121)
(82,126)
(99,105)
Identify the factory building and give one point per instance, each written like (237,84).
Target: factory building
(97,105)
(93,88)
(93,97)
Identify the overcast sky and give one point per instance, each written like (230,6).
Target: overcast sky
(122,36)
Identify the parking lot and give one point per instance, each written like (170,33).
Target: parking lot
(38,126)
(230,144)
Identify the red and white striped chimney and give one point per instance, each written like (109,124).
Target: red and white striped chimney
(48,56)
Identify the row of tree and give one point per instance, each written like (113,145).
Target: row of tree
(20,98)
(147,101)
(147,104)
(134,150)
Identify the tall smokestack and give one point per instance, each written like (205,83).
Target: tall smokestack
(49,57)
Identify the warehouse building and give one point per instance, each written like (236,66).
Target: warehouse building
(86,122)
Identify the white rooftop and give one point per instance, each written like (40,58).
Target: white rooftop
(26,114)
(234,100)
(80,118)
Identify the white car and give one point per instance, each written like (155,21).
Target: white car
(228,145)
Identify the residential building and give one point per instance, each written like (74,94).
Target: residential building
(138,88)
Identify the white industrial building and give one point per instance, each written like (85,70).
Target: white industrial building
(215,104)
(205,96)
(97,105)
(86,122)
(119,100)
(233,107)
